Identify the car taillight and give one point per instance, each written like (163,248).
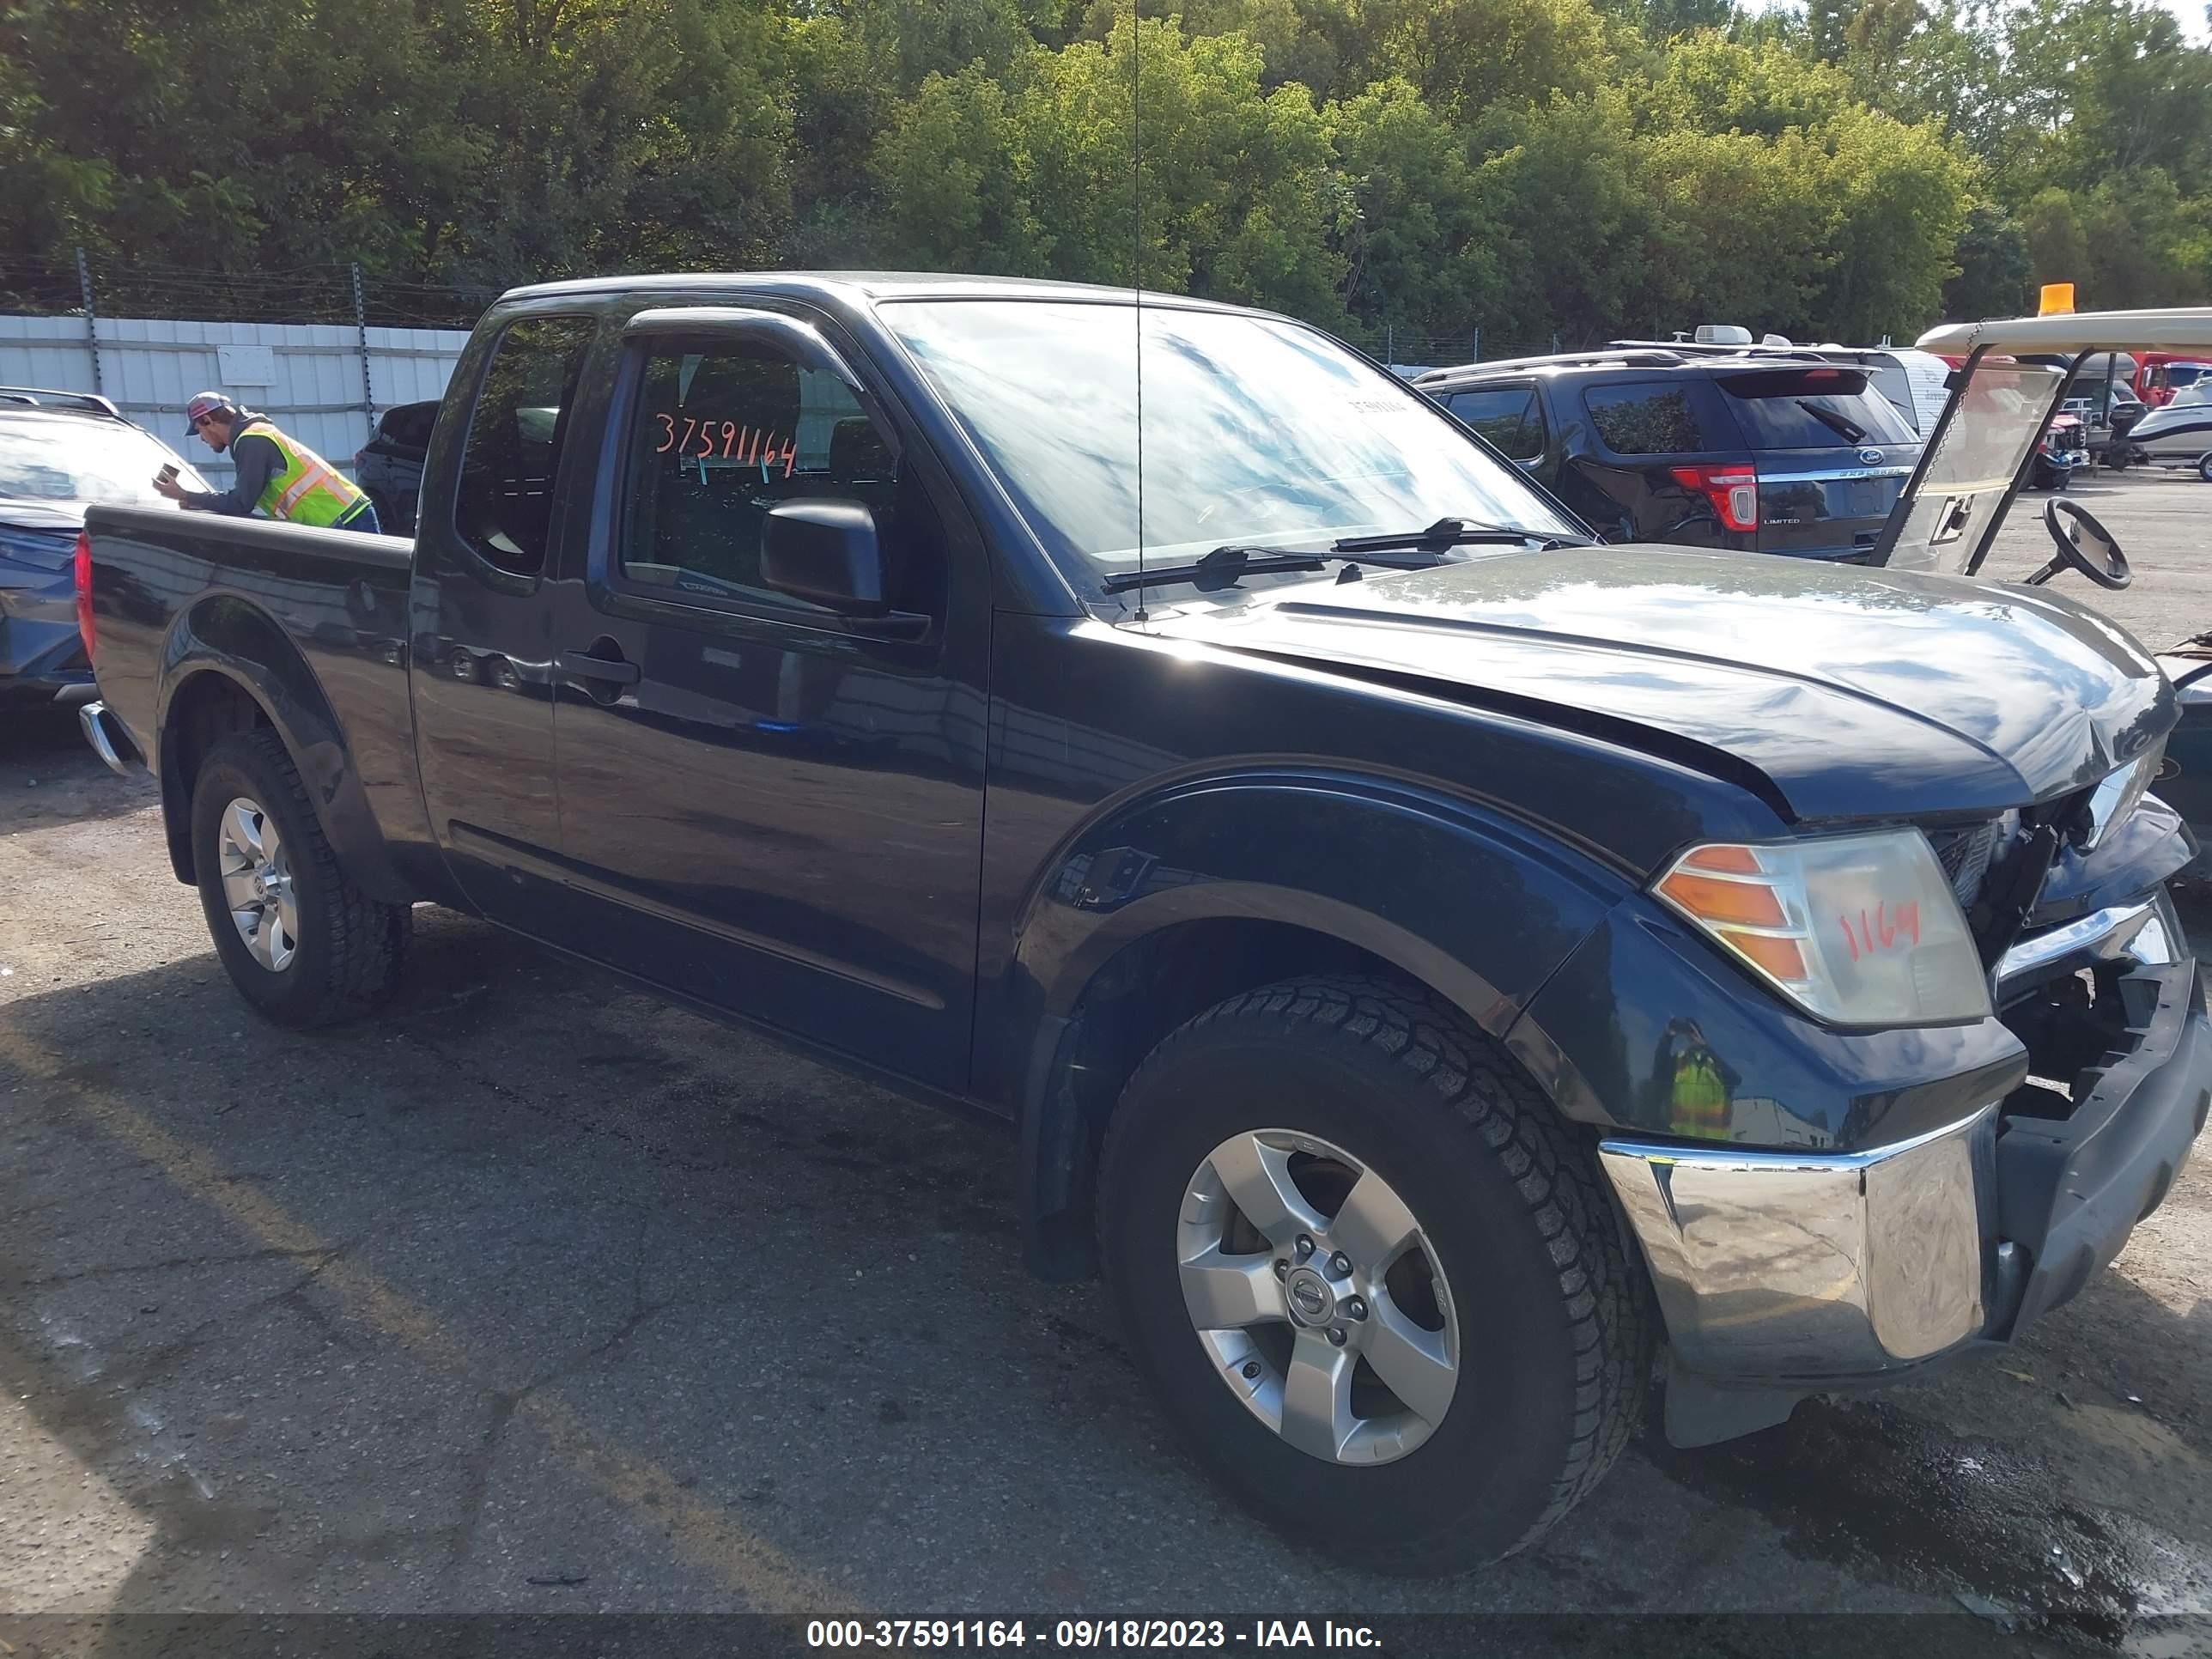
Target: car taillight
(1733,491)
(84,630)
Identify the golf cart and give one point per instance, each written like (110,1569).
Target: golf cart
(2012,377)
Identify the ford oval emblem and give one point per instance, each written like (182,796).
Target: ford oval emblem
(1871,456)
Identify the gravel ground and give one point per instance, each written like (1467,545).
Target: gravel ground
(536,1295)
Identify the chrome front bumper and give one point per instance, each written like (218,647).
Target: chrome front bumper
(1782,1267)
(1783,1274)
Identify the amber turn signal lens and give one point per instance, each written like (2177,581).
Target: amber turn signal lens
(1779,957)
(1723,860)
(1748,903)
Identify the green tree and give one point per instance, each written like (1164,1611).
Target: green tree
(1422,243)
(1467,56)
(1901,195)
(1994,268)
(955,179)
(1711,84)
(2058,251)
(2107,88)
(1239,195)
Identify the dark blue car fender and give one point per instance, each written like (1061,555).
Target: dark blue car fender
(1479,908)
(229,637)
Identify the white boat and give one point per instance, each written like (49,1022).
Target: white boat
(2180,434)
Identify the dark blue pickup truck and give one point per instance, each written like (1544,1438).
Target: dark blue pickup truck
(1447,973)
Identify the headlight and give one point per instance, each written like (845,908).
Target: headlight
(1857,930)
(2121,793)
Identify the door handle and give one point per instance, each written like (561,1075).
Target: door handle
(614,670)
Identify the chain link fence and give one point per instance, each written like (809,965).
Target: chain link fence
(92,287)
(87,286)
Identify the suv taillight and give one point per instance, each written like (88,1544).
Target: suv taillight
(84,630)
(1733,491)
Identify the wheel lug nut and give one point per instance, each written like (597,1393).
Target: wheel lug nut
(1251,1370)
(1282,1269)
(1336,1335)
(1340,1264)
(1305,1247)
(1357,1307)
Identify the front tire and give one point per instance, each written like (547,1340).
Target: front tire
(2204,467)
(299,939)
(1371,1275)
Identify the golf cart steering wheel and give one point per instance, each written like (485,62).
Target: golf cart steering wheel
(2084,545)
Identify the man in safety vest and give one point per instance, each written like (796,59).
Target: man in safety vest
(277,473)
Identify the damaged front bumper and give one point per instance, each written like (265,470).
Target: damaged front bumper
(1781,1274)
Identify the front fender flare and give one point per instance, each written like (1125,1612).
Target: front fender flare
(1479,908)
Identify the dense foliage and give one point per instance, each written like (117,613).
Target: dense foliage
(1431,167)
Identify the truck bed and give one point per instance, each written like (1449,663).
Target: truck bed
(315,620)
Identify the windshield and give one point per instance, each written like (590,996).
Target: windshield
(1958,499)
(1255,431)
(2201,393)
(50,460)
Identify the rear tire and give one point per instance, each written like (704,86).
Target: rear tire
(299,939)
(1517,1273)
(2204,467)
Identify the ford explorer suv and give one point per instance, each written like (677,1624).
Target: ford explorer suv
(1752,453)
(1431,963)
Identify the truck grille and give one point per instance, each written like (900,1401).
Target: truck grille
(1964,852)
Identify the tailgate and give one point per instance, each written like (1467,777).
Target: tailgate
(1826,505)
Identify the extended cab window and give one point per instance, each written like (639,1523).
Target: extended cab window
(504,506)
(1649,418)
(1506,415)
(723,432)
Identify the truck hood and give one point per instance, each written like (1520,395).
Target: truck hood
(1851,692)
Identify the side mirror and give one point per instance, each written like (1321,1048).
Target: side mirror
(825,552)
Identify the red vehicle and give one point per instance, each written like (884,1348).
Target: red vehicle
(2160,375)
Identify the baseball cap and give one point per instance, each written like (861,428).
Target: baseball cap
(204,403)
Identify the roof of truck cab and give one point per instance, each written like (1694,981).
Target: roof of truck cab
(864,286)
(2181,328)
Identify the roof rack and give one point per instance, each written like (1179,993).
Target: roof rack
(1630,354)
(46,397)
(1643,357)
(1824,354)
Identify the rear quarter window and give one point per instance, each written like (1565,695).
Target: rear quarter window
(1653,417)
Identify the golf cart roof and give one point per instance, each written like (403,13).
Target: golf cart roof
(2181,329)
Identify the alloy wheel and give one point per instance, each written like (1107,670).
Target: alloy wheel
(1318,1296)
(256,884)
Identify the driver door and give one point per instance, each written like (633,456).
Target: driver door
(769,807)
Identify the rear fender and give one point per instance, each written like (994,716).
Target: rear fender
(225,635)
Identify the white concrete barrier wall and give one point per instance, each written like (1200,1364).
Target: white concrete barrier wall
(307,377)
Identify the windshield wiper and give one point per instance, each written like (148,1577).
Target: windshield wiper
(1224,566)
(1446,534)
(1836,424)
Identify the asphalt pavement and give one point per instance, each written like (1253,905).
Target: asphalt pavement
(536,1295)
